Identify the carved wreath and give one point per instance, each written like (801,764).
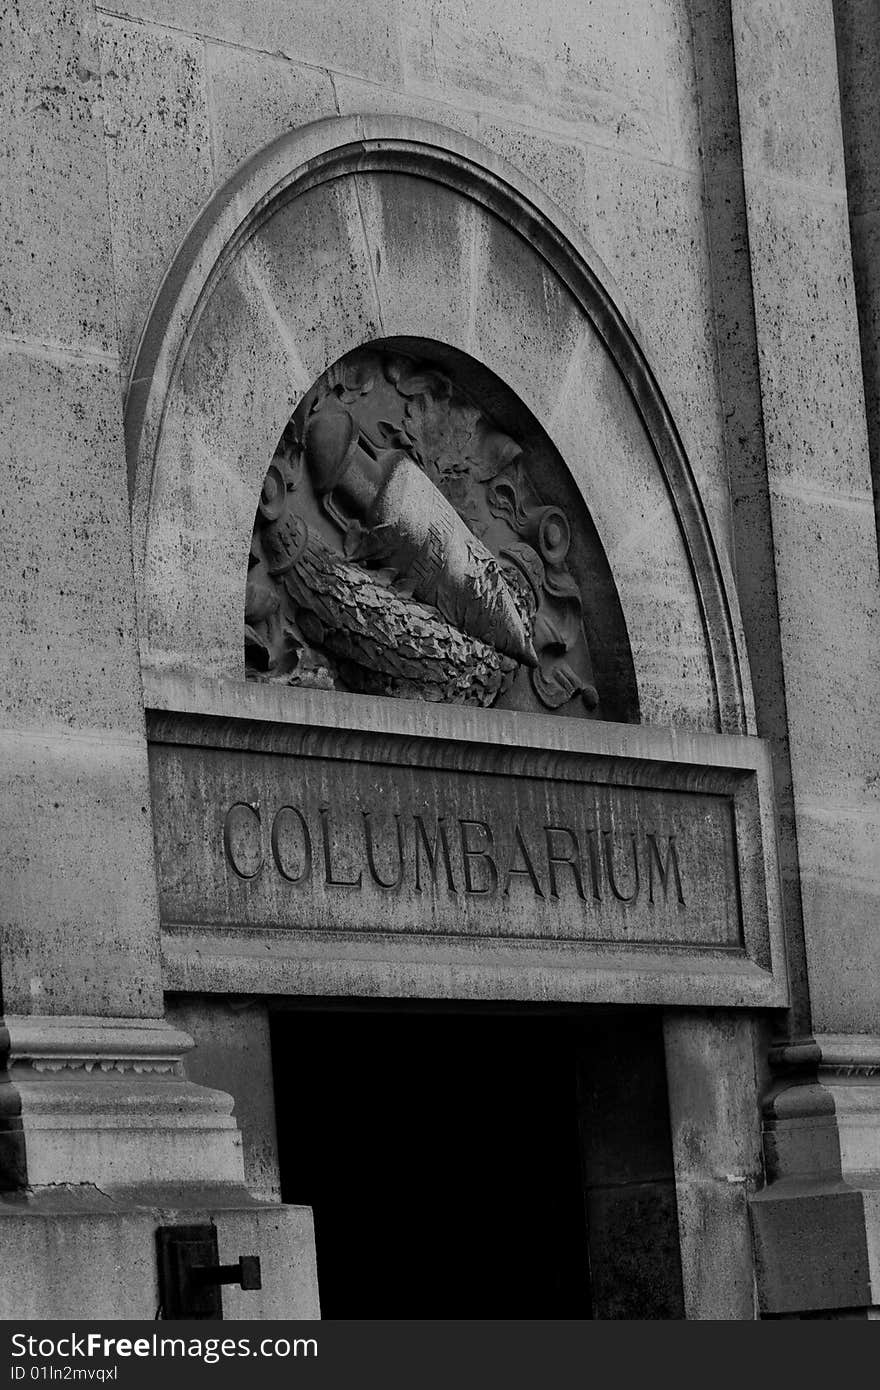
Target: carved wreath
(400,549)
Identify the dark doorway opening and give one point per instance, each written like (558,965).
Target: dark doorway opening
(451,1162)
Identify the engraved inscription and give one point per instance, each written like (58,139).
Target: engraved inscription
(399,853)
(242,839)
(307,844)
(431,856)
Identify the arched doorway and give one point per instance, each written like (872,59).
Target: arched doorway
(302,814)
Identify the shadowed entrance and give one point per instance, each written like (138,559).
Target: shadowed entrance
(453,1167)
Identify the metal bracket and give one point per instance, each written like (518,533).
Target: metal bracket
(190,1273)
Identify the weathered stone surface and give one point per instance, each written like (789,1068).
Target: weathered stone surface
(827,573)
(363,41)
(717,1255)
(713,1108)
(420,243)
(255,97)
(56,275)
(323,876)
(837,845)
(50,1238)
(634,1258)
(787,84)
(284,1238)
(312,258)
(104,1102)
(80,923)
(598,433)
(356,96)
(822,1115)
(817,463)
(808,340)
(678,30)
(66,594)
(525,322)
(158,157)
(811,1248)
(552,863)
(858,67)
(273,324)
(598,70)
(647,222)
(556,165)
(716,142)
(865,233)
(710,1070)
(80,918)
(232,1052)
(816,1221)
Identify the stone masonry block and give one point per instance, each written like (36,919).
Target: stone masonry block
(597,70)
(634,1257)
(276,321)
(255,97)
(788,94)
(866,266)
(808,341)
(715,73)
(596,428)
(55,276)
(66,591)
(158,156)
(85,1256)
(647,223)
(555,165)
(858,55)
(359,39)
(421,238)
(79,920)
(355,96)
(232,1051)
(829,597)
(710,1068)
(837,845)
(676,22)
(524,319)
(810,1249)
(716,1247)
(325,298)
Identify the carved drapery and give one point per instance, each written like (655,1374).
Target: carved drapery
(401,547)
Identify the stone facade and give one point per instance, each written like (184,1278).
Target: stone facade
(638,243)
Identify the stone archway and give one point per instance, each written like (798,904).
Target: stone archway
(315,844)
(372,228)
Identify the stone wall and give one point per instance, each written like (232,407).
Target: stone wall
(701,150)
(599,108)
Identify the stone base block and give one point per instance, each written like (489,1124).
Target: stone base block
(76,1253)
(106,1102)
(816,1249)
(817,1222)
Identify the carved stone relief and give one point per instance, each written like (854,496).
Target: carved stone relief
(401,548)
